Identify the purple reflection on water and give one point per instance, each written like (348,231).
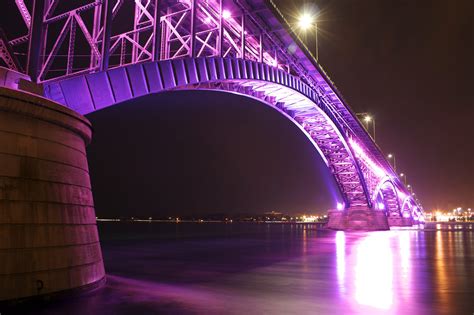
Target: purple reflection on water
(373,271)
(277,269)
(341,260)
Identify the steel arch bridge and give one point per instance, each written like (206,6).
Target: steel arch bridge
(96,53)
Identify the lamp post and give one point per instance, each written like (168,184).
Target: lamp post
(392,156)
(369,119)
(404,178)
(306,21)
(366,119)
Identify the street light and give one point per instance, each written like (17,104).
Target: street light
(404,178)
(305,22)
(367,119)
(392,156)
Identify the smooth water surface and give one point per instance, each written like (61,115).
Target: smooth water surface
(240,268)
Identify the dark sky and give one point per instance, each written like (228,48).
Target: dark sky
(408,62)
(198,152)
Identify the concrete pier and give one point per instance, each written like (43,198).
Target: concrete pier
(400,221)
(357,218)
(48,233)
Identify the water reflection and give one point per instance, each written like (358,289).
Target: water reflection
(373,274)
(280,269)
(341,260)
(440,266)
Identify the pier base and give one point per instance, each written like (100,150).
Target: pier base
(48,234)
(400,221)
(357,218)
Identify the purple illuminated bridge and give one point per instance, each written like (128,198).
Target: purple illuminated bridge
(96,54)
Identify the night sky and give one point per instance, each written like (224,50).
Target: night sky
(407,62)
(200,152)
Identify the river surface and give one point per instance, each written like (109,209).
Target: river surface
(240,268)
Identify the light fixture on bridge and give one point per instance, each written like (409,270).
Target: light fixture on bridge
(367,120)
(340,206)
(392,156)
(404,178)
(226,14)
(306,20)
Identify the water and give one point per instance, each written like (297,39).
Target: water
(237,268)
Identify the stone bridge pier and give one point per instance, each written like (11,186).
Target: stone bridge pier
(48,235)
(357,218)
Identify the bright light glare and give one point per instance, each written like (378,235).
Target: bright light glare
(401,174)
(305,21)
(226,14)
(367,118)
(374,271)
(390,155)
(340,206)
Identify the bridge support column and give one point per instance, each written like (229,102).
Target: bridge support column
(48,234)
(399,221)
(357,218)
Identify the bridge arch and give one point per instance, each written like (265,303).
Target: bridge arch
(410,208)
(270,85)
(386,198)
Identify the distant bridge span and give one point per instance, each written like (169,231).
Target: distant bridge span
(102,52)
